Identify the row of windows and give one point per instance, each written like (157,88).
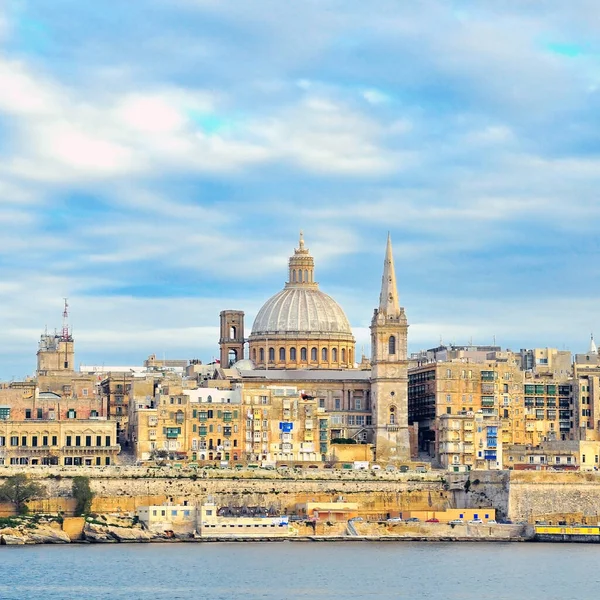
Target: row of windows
(300,276)
(76,461)
(314,352)
(46,440)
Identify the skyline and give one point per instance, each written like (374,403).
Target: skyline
(157,170)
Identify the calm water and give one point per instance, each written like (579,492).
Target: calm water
(286,570)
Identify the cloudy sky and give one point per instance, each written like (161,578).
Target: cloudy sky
(158,158)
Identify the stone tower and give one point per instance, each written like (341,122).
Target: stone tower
(231,341)
(56,352)
(389,370)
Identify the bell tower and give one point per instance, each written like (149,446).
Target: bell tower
(389,369)
(231,341)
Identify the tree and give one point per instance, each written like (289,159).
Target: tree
(18,490)
(82,492)
(160,456)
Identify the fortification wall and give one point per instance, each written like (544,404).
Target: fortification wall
(518,495)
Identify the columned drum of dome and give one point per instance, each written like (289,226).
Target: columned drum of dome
(301,327)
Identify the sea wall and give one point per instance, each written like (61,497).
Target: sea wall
(517,495)
(124,489)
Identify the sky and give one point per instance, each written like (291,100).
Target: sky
(159,157)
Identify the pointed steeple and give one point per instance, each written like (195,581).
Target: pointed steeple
(389,304)
(593,349)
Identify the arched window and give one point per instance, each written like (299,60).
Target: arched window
(271,354)
(350,356)
(261,353)
(306,276)
(343,355)
(303,354)
(294,275)
(313,354)
(324,354)
(292,353)
(392,415)
(334,354)
(209,399)
(392,345)
(232,333)
(254,354)
(282,354)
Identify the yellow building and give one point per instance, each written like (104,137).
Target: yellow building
(160,518)
(283,425)
(71,442)
(216,432)
(469,441)
(328,511)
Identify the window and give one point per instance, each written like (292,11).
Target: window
(321,402)
(303,354)
(24,441)
(88,440)
(392,415)
(392,345)
(338,404)
(14,440)
(40,414)
(55,440)
(271,354)
(292,353)
(281,354)
(313,354)
(334,354)
(44,440)
(28,413)
(343,355)
(261,353)
(34,440)
(71,414)
(357,404)
(108,441)
(69,440)
(324,354)
(78,440)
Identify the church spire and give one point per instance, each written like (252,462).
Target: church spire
(389,304)
(593,349)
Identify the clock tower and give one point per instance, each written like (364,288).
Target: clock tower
(389,370)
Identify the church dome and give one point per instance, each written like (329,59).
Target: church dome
(301,309)
(301,327)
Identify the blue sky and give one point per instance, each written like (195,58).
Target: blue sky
(158,158)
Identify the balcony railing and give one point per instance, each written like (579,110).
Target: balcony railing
(91,449)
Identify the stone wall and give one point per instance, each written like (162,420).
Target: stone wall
(124,489)
(518,495)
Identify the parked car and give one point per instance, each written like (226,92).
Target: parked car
(395,520)
(491,522)
(475,522)
(375,467)
(413,520)
(456,522)
(432,520)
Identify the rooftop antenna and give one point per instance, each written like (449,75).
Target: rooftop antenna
(65,324)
